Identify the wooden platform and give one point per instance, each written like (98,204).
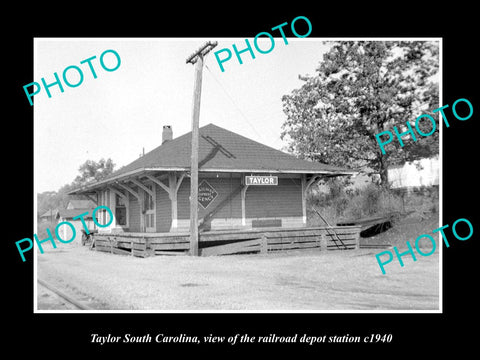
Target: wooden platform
(231,242)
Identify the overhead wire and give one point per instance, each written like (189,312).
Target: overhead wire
(235,104)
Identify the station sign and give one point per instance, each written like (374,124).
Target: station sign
(206,194)
(261,180)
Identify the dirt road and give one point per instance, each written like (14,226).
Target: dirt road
(333,280)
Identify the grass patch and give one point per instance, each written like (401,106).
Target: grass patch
(407,229)
(416,210)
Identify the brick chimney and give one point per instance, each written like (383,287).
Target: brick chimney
(167,133)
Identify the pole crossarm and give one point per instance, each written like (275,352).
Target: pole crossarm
(201,51)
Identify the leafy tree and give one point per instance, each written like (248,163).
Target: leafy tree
(47,200)
(94,171)
(89,171)
(362,88)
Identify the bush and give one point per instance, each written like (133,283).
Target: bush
(372,200)
(339,205)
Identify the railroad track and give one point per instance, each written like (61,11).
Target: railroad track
(64,296)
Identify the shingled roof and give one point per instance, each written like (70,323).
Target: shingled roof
(70,213)
(221,150)
(81,204)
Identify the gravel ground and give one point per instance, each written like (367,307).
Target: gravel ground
(48,300)
(296,280)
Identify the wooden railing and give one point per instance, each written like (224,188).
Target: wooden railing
(232,242)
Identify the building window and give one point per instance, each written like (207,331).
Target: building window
(148,199)
(120,211)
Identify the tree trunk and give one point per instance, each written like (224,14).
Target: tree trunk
(383,171)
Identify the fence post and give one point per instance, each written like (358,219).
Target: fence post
(357,240)
(323,241)
(263,244)
(147,247)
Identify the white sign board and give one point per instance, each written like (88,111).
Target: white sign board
(261,180)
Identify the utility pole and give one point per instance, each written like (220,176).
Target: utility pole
(197,59)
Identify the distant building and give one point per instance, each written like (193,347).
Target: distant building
(49,215)
(75,208)
(418,173)
(80,204)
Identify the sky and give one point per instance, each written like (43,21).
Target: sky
(122,112)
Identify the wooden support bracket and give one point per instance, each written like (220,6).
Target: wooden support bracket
(130,190)
(91,198)
(159,183)
(312,180)
(142,186)
(179,181)
(118,192)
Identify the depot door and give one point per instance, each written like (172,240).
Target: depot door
(149,202)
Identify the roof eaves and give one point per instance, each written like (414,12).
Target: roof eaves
(277,171)
(85,188)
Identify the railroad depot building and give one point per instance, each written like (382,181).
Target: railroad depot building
(242,185)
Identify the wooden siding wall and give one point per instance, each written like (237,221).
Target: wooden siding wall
(229,215)
(104,199)
(134,214)
(283,201)
(163,206)
(107,199)
(183,206)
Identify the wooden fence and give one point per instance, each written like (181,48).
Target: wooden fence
(231,242)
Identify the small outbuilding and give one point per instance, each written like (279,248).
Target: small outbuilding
(49,215)
(81,204)
(415,174)
(74,209)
